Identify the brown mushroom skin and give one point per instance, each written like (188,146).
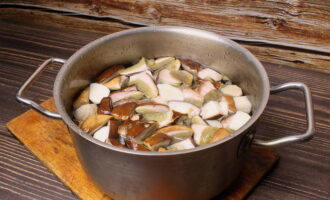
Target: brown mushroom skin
(94,122)
(190,66)
(113,128)
(108,73)
(220,134)
(105,106)
(153,141)
(115,142)
(231,103)
(217,84)
(139,129)
(124,111)
(135,146)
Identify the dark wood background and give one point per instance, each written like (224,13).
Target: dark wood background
(29,35)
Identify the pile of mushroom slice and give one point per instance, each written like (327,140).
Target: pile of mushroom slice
(163,104)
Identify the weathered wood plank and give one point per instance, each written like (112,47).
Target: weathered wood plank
(303,23)
(267,53)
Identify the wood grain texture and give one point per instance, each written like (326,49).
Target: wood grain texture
(265,52)
(302,173)
(303,23)
(50,141)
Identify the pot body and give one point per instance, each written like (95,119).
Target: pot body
(200,173)
(195,176)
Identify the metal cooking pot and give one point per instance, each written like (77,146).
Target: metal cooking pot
(199,173)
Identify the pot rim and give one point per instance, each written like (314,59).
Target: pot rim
(172,29)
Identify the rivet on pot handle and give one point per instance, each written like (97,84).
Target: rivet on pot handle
(309,116)
(28,82)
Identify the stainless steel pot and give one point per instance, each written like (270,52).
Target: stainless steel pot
(199,173)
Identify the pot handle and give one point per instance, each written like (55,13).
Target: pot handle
(309,117)
(27,84)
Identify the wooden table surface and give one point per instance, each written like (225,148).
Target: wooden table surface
(302,173)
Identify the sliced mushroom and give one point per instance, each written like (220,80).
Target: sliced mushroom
(85,111)
(138,130)
(119,95)
(94,122)
(174,65)
(225,80)
(183,76)
(159,100)
(224,109)
(190,66)
(124,111)
(177,132)
(207,90)
(138,67)
(210,110)
(184,108)
(232,90)
(156,141)
(102,134)
(97,92)
(213,95)
(192,97)
(209,74)
(109,73)
(198,120)
(169,92)
(145,84)
(203,134)
(117,83)
(214,123)
(150,62)
(243,104)
(114,142)
(165,76)
(235,121)
(163,119)
(220,134)
(231,103)
(136,146)
(135,117)
(129,88)
(113,125)
(127,100)
(105,106)
(182,145)
(217,84)
(151,108)
(162,149)
(82,99)
(180,119)
(161,63)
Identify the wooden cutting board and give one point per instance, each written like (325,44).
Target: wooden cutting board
(50,141)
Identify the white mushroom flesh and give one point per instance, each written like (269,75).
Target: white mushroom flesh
(184,108)
(232,90)
(97,92)
(84,111)
(243,104)
(235,121)
(102,134)
(209,74)
(169,92)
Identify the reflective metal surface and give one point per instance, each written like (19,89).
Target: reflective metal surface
(26,85)
(199,173)
(309,116)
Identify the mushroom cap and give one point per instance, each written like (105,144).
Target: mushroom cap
(145,84)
